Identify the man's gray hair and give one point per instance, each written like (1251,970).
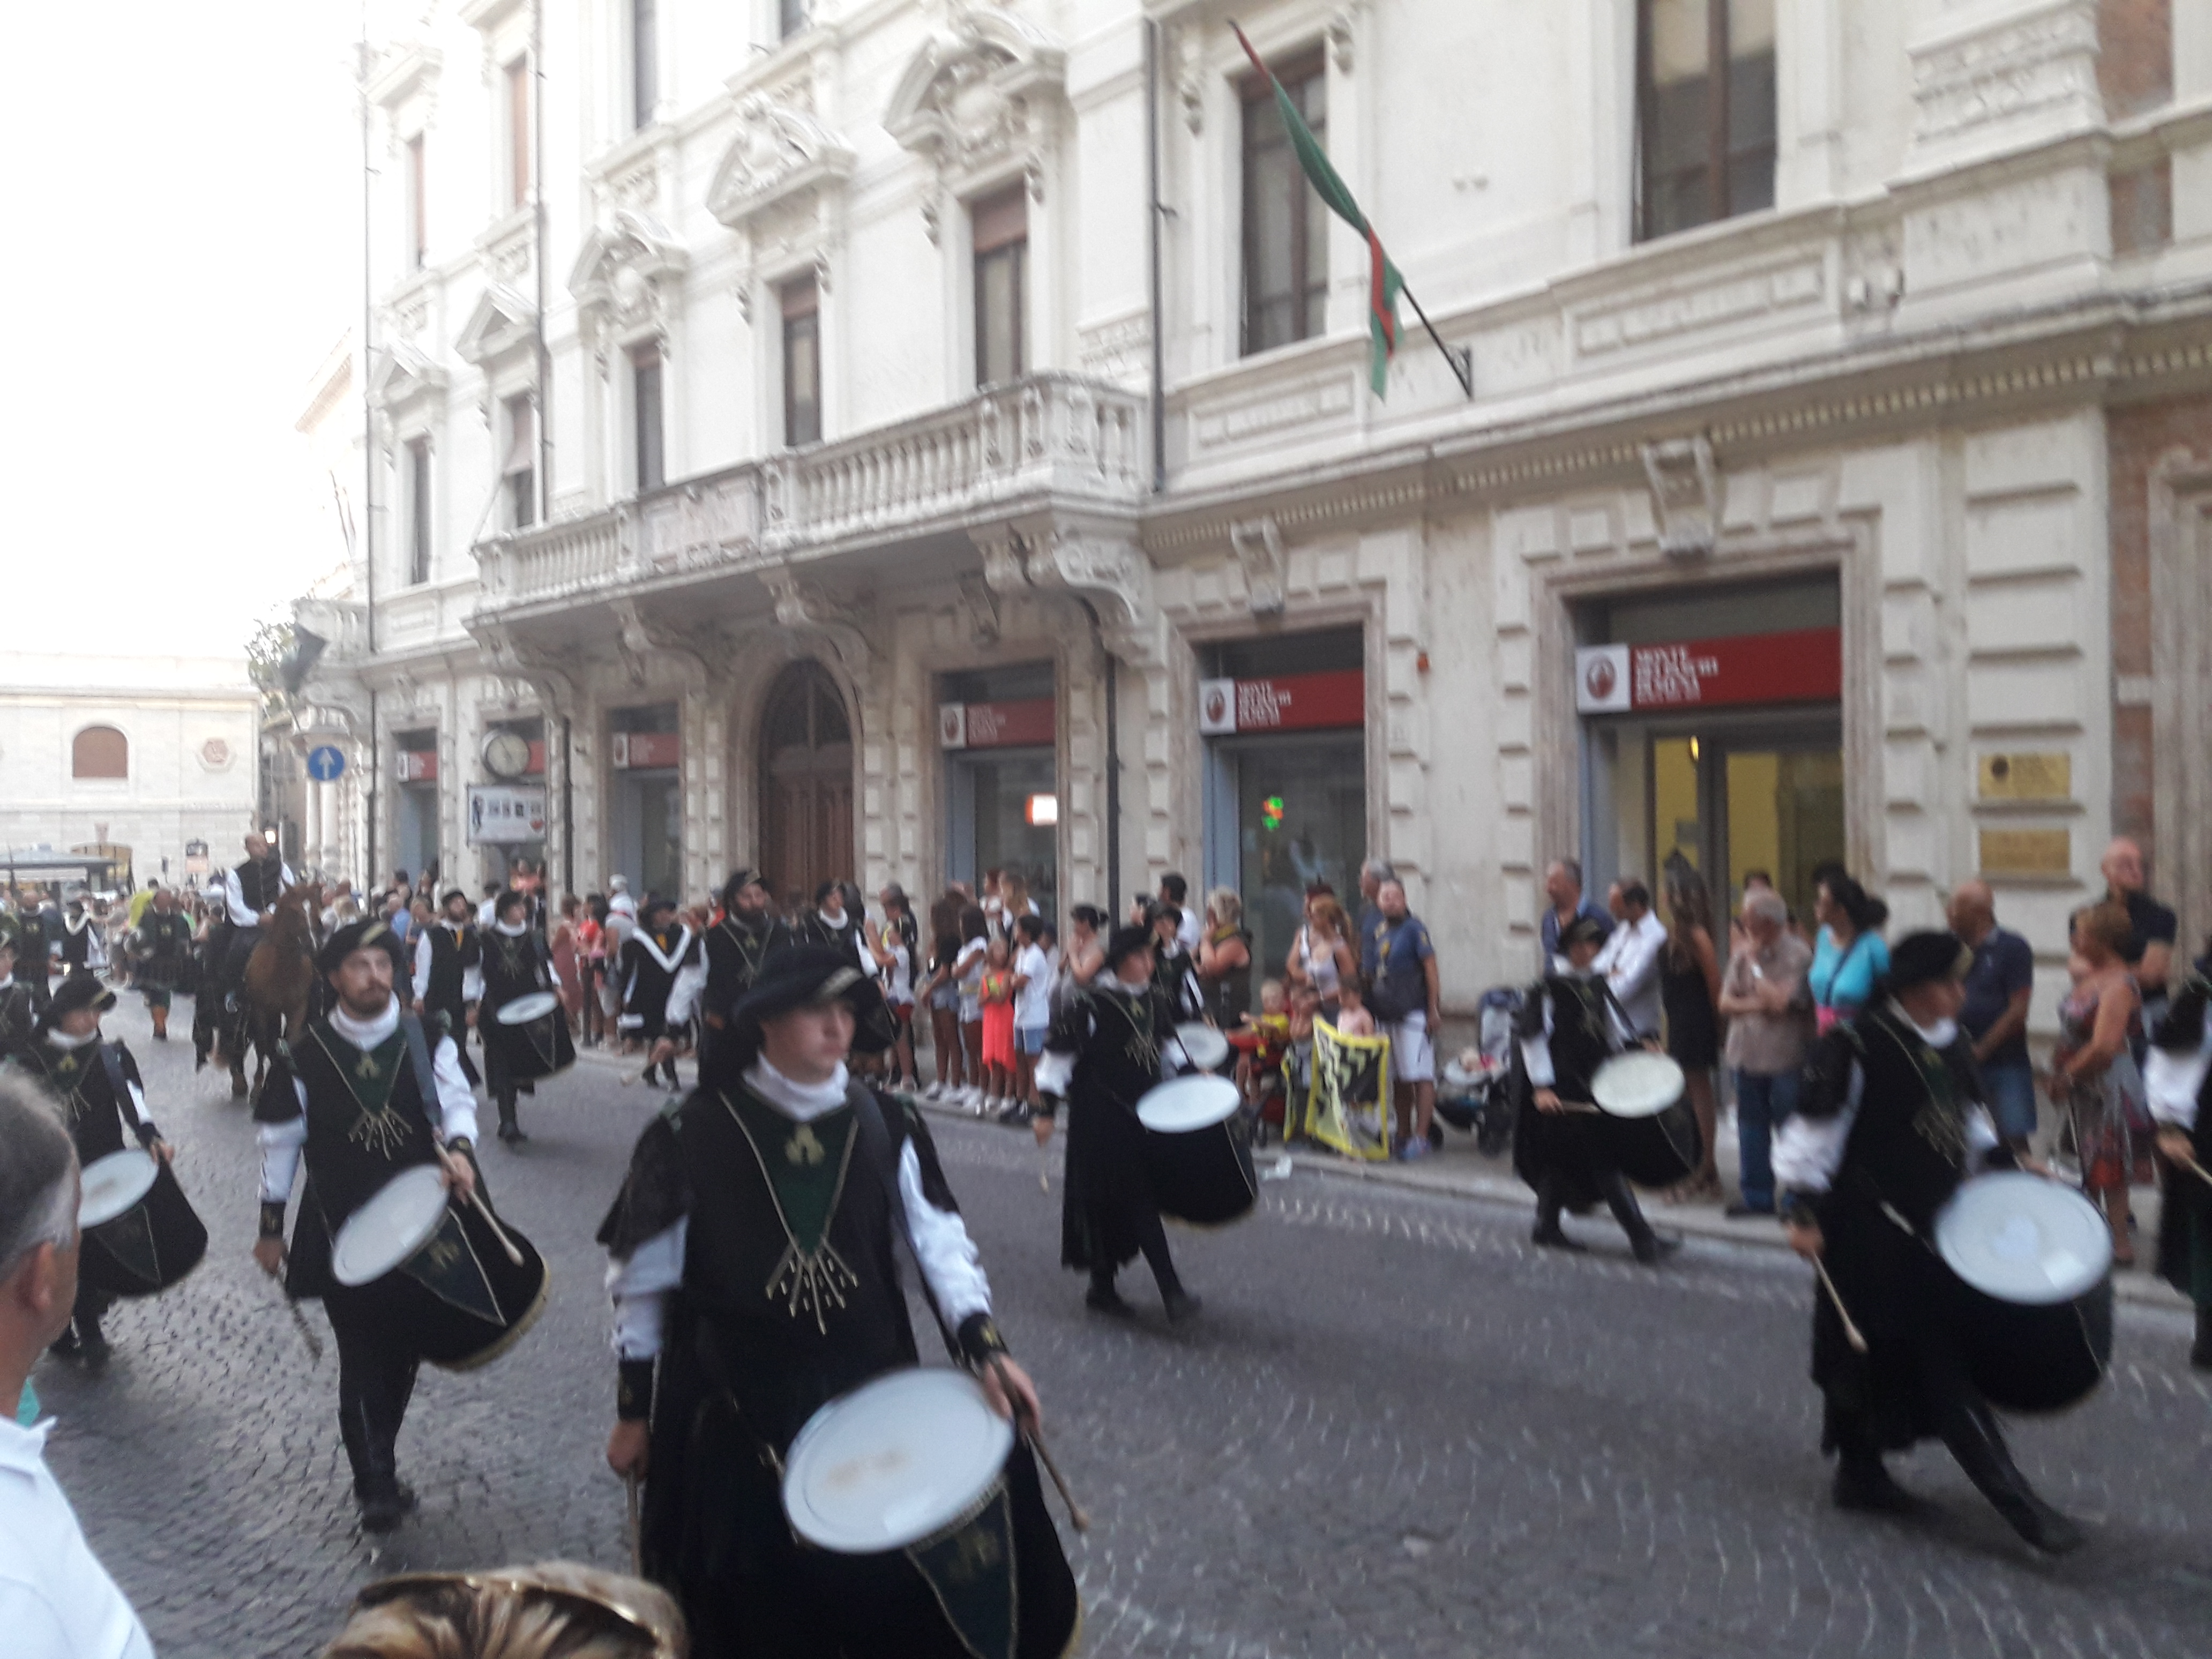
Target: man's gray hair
(1768,905)
(1378,870)
(37,1170)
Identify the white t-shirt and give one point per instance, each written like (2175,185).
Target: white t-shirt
(968,974)
(1033,1007)
(56,1601)
(898,978)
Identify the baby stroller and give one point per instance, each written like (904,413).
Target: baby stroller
(1472,1094)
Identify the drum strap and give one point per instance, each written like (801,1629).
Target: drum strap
(876,1148)
(111,1061)
(418,1056)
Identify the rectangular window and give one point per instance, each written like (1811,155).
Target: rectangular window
(644,62)
(1705,137)
(802,363)
(418,216)
(418,510)
(518,132)
(645,408)
(1001,226)
(791,16)
(519,474)
(1285,226)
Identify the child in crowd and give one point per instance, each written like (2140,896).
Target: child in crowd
(1352,1019)
(1262,1040)
(996,995)
(1033,979)
(1304,1007)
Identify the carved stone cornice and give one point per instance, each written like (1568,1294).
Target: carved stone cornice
(977,98)
(779,153)
(1258,544)
(624,279)
(1686,497)
(501,324)
(405,378)
(2028,72)
(1110,572)
(806,608)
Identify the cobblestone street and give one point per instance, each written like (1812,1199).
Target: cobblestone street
(1396,1429)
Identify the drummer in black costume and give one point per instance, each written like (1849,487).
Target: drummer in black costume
(352,1100)
(2178,1081)
(736,946)
(100,1091)
(448,974)
(1571,1024)
(164,945)
(515,963)
(1103,1053)
(19,1011)
(655,961)
(1891,1121)
(753,1281)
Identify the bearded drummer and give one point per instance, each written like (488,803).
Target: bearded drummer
(1103,1056)
(753,1281)
(363,1096)
(1571,1024)
(1891,1120)
(101,1094)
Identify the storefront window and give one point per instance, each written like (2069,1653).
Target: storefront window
(417,816)
(646,816)
(997,728)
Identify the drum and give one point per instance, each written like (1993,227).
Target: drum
(2035,1260)
(917,1463)
(531,1036)
(438,1271)
(1206,1049)
(1645,1128)
(141,1234)
(1197,1151)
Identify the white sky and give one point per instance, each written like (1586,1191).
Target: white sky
(183,213)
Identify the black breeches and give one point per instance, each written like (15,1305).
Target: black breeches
(235,956)
(90,1305)
(1153,1242)
(376,1379)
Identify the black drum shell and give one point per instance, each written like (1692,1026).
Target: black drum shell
(448,1336)
(169,1233)
(2029,1358)
(536,1049)
(1203,1176)
(1651,1152)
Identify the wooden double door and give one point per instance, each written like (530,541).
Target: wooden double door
(805,786)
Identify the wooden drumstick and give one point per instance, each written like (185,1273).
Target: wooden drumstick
(2197,1169)
(497,1231)
(1852,1332)
(636,1537)
(1031,1433)
(307,1331)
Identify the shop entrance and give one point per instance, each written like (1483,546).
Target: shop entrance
(1732,797)
(805,786)
(997,727)
(646,801)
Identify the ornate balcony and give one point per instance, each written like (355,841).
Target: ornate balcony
(1050,439)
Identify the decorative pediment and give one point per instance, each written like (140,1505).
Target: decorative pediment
(975,97)
(621,266)
(503,322)
(409,69)
(405,376)
(778,153)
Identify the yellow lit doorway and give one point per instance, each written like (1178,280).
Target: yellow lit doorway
(1733,799)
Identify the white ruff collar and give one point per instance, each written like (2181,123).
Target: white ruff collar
(801,1102)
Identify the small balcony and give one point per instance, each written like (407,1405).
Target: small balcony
(1048,440)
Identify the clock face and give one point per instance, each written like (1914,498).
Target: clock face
(505,754)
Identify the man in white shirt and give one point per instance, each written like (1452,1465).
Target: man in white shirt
(1175,891)
(1630,958)
(56,1601)
(1033,1014)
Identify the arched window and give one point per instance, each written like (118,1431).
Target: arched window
(100,751)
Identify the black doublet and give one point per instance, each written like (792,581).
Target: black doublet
(260,882)
(454,952)
(168,942)
(646,984)
(82,1080)
(1108,1209)
(734,955)
(514,965)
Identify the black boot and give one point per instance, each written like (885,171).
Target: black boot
(1102,1298)
(1549,1233)
(1620,1199)
(1972,1435)
(1863,1484)
(509,1131)
(2200,1356)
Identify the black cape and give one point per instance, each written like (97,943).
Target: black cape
(1552,1146)
(1115,1040)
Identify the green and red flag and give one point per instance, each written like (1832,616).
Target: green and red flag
(1383,282)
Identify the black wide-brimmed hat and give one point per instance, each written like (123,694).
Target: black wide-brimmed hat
(82,989)
(740,878)
(1583,930)
(808,975)
(1925,958)
(452,893)
(1127,938)
(369,933)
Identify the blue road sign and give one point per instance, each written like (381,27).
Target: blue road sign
(324,761)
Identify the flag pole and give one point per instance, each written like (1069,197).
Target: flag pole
(1462,360)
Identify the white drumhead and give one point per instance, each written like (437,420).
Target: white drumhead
(2020,1238)
(1639,1084)
(112,1184)
(1187,1103)
(1207,1046)
(523,1010)
(893,1462)
(390,1227)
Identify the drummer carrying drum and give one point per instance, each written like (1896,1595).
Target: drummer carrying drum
(364,1098)
(1571,1025)
(1892,1120)
(754,1281)
(516,963)
(97,1086)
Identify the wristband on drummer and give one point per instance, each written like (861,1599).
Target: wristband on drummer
(147,1135)
(1799,1209)
(272,1217)
(634,1390)
(979,1339)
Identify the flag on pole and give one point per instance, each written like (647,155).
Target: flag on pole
(1383,281)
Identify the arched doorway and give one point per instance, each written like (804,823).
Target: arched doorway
(805,785)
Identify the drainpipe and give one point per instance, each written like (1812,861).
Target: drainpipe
(567,806)
(1112,763)
(367,445)
(1152,212)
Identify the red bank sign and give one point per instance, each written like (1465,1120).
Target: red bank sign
(641,752)
(1805,665)
(1028,724)
(1289,702)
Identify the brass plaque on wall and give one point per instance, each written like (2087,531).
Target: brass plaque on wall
(2028,776)
(2028,852)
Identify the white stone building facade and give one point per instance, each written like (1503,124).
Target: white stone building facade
(151,754)
(1856,394)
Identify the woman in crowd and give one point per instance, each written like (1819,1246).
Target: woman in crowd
(601,944)
(567,967)
(1322,956)
(995,994)
(892,946)
(942,995)
(1085,953)
(1849,955)
(1690,989)
(1225,961)
(2093,1070)
(967,976)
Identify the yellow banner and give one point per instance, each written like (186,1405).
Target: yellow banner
(1348,1110)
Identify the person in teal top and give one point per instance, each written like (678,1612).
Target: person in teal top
(1849,955)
